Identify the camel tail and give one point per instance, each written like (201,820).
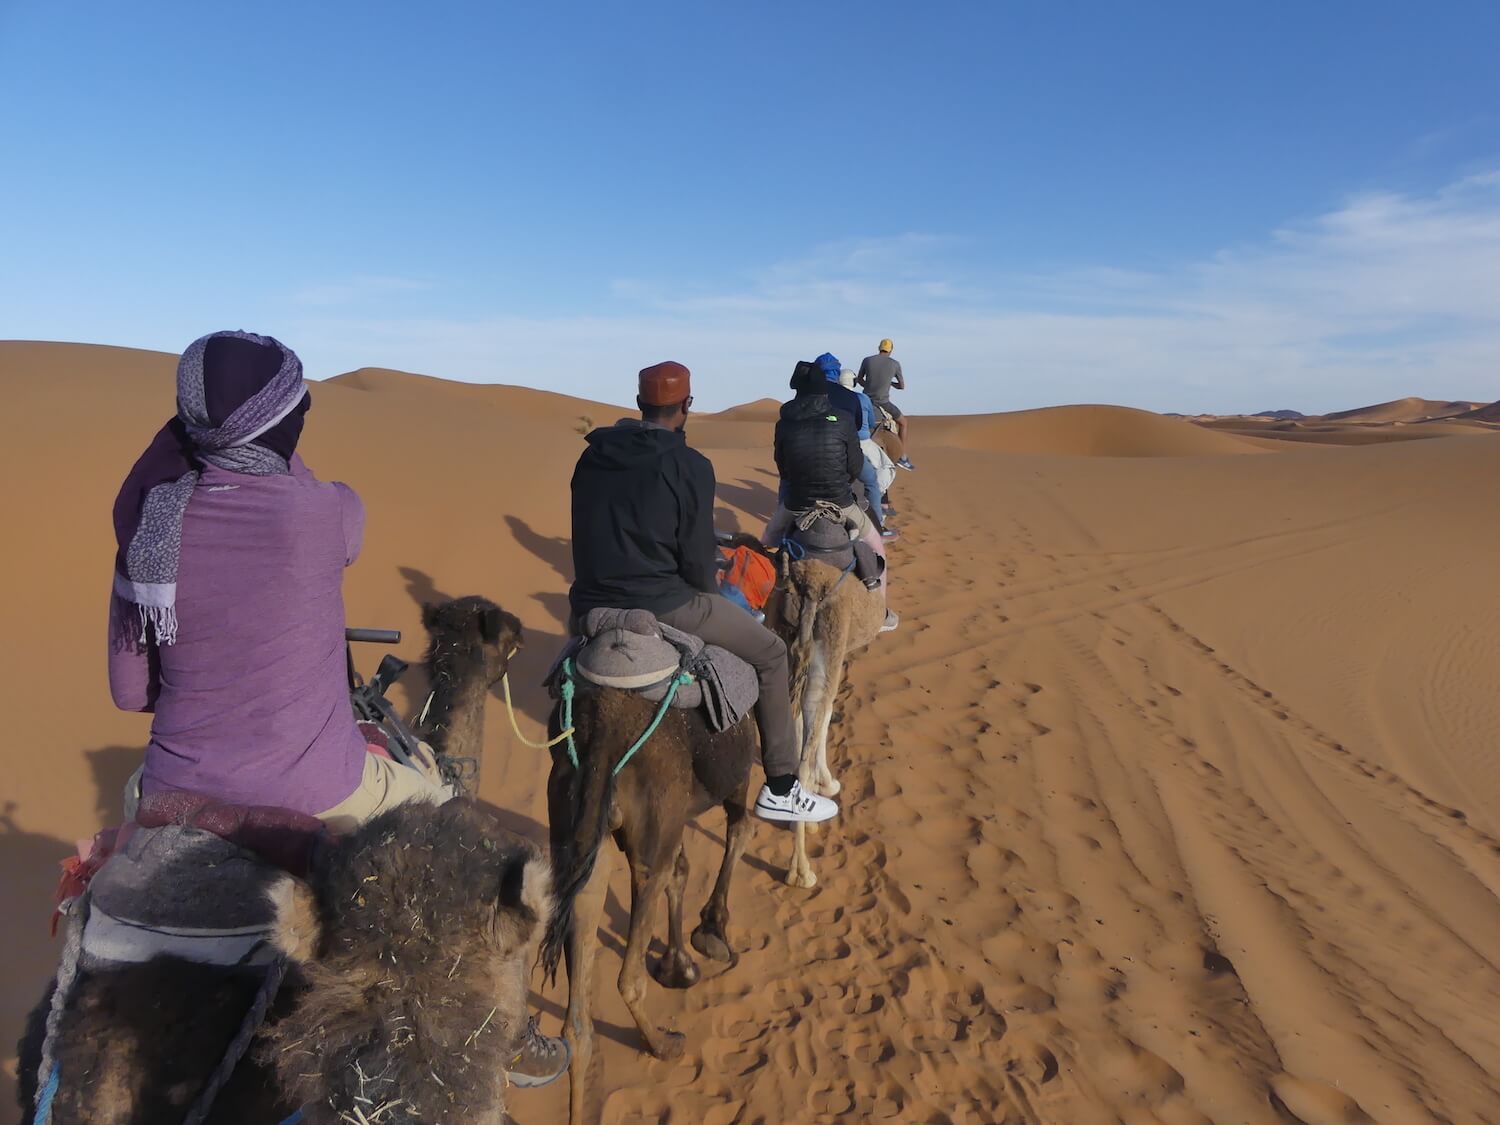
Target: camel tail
(580,823)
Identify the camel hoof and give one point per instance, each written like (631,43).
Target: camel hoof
(670,1044)
(680,971)
(714,946)
(829,786)
(804,878)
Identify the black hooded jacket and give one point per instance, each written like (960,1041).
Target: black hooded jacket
(643,521)
(817,452)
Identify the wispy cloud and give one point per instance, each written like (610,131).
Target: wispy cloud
(1385,295)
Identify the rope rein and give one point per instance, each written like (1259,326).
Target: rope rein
(251,1024)
(50,1072)
(510,709)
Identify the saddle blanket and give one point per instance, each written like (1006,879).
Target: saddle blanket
(188,878)
(630,650)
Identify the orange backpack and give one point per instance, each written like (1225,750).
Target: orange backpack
(748,571)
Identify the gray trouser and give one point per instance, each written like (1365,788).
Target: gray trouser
(720,622)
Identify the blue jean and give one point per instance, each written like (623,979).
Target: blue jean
(872,493)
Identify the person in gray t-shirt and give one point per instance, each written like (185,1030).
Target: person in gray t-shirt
(879,374)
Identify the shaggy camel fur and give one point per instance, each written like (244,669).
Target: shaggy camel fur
(683,770)
(146,1038)
(823,618)
(415,942)
(471,643)
(410,947)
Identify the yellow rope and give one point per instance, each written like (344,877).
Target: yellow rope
(511,711)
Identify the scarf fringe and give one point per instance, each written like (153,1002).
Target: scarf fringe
(161,619)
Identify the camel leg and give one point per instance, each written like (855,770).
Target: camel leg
(823,778)
(677,969)
(711,938)
(800,873)
(578,1025)
(825,674)
(645,887)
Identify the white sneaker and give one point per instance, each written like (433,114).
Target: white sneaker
(891,621)
(799,804)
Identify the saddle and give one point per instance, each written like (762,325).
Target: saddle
(188,878)
(630,650)
(825,540)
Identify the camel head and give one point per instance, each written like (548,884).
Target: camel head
(471,636)
(412,940)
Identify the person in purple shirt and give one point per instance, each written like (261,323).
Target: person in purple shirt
(227,613)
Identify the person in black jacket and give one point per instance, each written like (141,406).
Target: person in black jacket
(643,538)
(819,459)
(818,456)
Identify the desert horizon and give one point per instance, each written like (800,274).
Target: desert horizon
(1172,800)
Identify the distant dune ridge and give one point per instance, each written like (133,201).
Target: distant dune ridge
(1174,799)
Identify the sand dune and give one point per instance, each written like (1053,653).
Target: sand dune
(1173,801)
(1094,431)
(1409,409)
(1489,413)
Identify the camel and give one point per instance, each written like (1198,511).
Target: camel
(680,772)
(139,1044)
(823,619)
(888,437)
(471,642)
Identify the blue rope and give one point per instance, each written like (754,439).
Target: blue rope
(44,1097)
(294,1118)
(847,571)
(795,550)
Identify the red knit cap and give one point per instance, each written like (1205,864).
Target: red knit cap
(666,384)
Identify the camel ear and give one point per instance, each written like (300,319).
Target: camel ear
(429,615)
(490,624)
(524,904)
(296,929)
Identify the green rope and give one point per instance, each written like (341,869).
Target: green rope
(567,689)
(661,713)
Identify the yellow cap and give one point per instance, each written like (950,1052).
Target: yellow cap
(886,345)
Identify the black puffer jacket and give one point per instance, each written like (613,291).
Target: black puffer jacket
(817,452)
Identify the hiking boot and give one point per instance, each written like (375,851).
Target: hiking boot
(539,1059)
(905,463)
(891,621)
(799,804)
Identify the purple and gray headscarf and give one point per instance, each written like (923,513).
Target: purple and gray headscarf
(240,401)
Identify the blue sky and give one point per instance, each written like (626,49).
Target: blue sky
(1180,206)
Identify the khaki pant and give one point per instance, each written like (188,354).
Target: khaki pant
(384,785)
(721,622)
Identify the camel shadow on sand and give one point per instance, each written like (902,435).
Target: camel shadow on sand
(30,864)
(751,497)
